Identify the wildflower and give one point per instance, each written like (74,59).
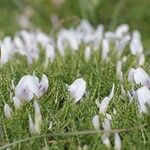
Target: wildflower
(123,92)
(77,89)
(50,53)
(121,43)
(121,30)
(43,85)
(105,140)
(117,145)
(105,102)
(17,102)
(143,98)
(141,60)
(131,75)
(105,49)
(87,53)
(96,122)
(66,38)
(7,111)
(119,70)
(23,89)
(105,136)
(108,116)
(141,77)
(38,117)
(28,86)
(136,44)
(31,125)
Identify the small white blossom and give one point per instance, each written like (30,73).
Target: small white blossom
(105,49)
(87,53)
(31,125)
(77,89)
(7,111)
(96,122)
(117,145)
(105,140)
(105,102)
(38,117)
(50,53)
(17,102)
(119,70)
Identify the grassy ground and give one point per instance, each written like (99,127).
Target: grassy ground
(56,104)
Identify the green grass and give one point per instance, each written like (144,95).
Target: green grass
(58,107)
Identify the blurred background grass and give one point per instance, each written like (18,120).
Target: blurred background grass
(49,14)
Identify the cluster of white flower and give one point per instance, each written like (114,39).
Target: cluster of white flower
(27,43)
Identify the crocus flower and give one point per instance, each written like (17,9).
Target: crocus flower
(96,122)
(66,37)
(105,102)
(143,98)
(121,30)
(7,111)
(28,86)
(87,53)
(139,76)
(50,53)
(105,136)
(136,44)
(17,102)
(117,145)
(38,117)
(105,49)
(31,125)
(119,70)
(77,89)
(105,140)
(141,60)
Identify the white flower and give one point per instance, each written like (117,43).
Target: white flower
(77,89)
(17,102)
(105,102)
(7,111)
(43,85)
(105,136)
(119,70)
(141,77)
(31,125)
(108,116)
(105,140)
(121,30)
(123,92)
(28,86)
(141,60)
(121,43)
(96,122)
(105,49)
(131,75)
(22,90)
(143,97)
(50,52)
(106,125)
(42,38)
(67,38)
(136,44)
(87,53)
(38,117)
(117,145)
